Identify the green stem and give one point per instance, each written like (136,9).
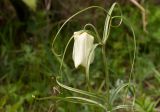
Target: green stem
(106,73)
(87,80)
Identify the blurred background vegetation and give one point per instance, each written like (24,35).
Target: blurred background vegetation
(27,65)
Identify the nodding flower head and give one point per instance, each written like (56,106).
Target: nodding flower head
(83,44)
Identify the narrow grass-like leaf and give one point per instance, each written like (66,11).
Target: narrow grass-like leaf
(121,107)
(74,100)
(95,30)
(80,91)
(107,24)
(87,101)
(116,91)
(125,20)
(121,20)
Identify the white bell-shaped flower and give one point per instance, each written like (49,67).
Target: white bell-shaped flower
(83,44)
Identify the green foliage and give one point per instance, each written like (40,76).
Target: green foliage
(144,104)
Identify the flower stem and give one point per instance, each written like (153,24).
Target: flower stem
(106,74)
(87,80)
